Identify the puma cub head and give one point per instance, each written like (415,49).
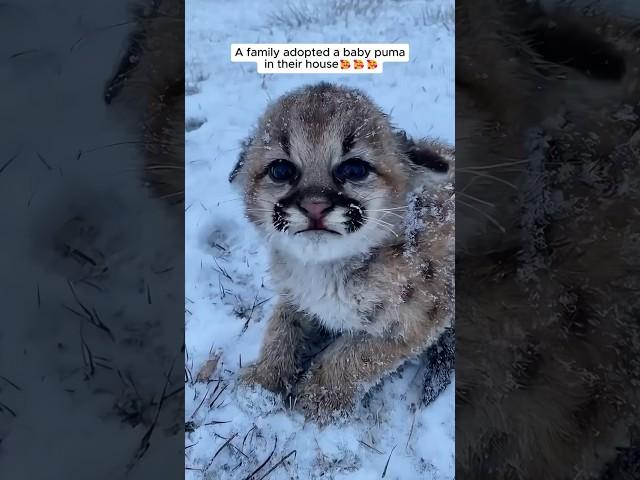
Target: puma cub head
(325,176)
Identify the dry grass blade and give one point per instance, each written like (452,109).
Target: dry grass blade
(91,315)
(22,53)
(2,377)
(98,30)
(224,445)
(282,460)
(251,476)
(246,435)
(386,465)
(370,447)
(224,387)
(216,422)
(145,442)
(4,407)
(87,357)
(413,422)
(44,161)
(202,402)
(175,392)
(8,162)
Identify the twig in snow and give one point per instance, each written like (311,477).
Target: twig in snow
(293,452)
(413,421)
(250,477)
(247,434)
(4,407)
(2,377)
(224,445)
(387,464)
(8,162)
(369,446)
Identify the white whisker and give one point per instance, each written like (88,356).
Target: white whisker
(495,165)
(174,194)
(484,202)
(383,225)
(484,214)
(389,213)
(387,209)
(379,220)
(497,179)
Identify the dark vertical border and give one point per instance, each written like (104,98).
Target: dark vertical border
(92,256)
(547,276)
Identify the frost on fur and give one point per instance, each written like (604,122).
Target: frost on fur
(332,189)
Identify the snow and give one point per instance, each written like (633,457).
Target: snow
(72,420)
(228,291)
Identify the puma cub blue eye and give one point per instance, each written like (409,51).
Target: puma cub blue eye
(352,170)
(282,171)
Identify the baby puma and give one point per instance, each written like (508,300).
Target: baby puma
(361,239)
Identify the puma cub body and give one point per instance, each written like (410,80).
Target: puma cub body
(359,220)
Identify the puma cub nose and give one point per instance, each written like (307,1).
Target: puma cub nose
(315,209)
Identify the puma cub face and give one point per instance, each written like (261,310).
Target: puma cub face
(323,175)
(361,243)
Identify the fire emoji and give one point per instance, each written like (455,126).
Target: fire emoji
(358,64)
(372,64)
(345,64)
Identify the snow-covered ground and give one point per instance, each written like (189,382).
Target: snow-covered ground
(233,432)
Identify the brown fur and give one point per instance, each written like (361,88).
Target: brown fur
(386,309)
(154,84)
(543,323)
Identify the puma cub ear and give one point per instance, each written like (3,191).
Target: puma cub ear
(428,157)
(242,158)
